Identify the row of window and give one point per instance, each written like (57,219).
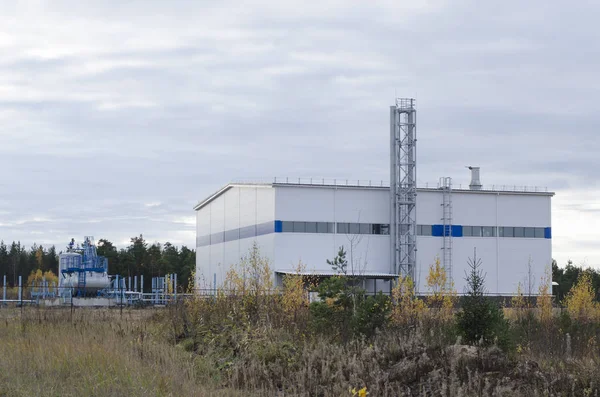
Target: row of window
(482,231)
(530,232)
(328,227)
(369,228)
(235,234)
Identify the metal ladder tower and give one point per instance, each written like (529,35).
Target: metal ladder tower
(88,262)
(446,186)
(403,187)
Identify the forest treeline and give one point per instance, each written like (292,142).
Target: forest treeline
(138,258)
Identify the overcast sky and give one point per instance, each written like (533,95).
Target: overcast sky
(117,117)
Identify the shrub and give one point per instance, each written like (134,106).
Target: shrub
(37,276)
(407,309)
(580,302)
(442,294)
(544,299)
(294,299)
(373,313)
(344,309)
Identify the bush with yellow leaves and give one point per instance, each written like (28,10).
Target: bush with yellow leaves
(519,306)
(580,302)
(407,308)
(442,295)
(251,285)
(37,276)
(544,298)
(294,296)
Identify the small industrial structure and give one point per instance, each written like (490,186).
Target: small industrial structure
(387,230)
(81,270)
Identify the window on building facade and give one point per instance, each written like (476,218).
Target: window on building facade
(365,228)
(519,232)
(203,241)
(539,232)
(324,227)
(488,231)
(353,228)
(216,238)
(232,235)
(287,226)
(426,230)
(299,227)
(264,228)
(342,228)
(311,227)
(529,232)
(248,231)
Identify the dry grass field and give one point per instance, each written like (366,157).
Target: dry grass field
(94,352)
(249,346)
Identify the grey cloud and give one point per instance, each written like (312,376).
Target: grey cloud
(128,103)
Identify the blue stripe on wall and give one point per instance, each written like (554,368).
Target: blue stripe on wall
(438,230)
(457,231)
(278,226)
(548,232)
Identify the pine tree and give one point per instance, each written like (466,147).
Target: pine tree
(480,320)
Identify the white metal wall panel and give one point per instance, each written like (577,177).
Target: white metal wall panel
(332,204)
(503,260)
(265,205)
(429,209)
(472,209)
(203,267)
(514,255)
(362,205)
(523,210)
(232,208)
(237,207)
(247,212)
(368,253)
(202,223)
(217,214)
(304,204)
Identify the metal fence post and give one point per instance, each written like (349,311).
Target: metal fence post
(21,292)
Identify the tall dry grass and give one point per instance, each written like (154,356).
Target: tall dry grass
(422,358)
(93,352)
(147,353)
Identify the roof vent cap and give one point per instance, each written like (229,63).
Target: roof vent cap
(475,183)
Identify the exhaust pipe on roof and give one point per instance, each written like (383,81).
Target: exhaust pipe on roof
(475,183)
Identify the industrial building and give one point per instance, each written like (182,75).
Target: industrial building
(386,230)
